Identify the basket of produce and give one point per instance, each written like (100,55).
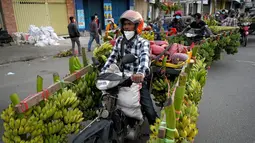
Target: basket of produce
(174,56)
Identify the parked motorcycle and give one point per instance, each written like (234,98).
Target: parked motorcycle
(244,31)
(5,37)
(112,125)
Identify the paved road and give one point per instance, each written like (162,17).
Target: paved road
(226,110)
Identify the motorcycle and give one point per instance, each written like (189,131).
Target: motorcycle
(194,35)
(112,125)
(5,37)
(244,31)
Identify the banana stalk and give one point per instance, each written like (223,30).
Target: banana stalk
(39,84)
(189,67)
(56,77)
(15,99)
(171,122)
(84,57)
(164,64)
(71,65)
(179,94)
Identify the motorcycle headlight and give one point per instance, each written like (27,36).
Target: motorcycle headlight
(245,23)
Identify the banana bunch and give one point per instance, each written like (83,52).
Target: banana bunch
(80,88)
(199,72)
(57,115)
(160,85)
(186,133)
(186,129)
(22,126)
(218,29)
(55,138)
(72,116)
(194,90)
(89,114)
(17,139)
(211,22)
(70,128)
(87,103)
(190,110)
(160,90)
(68,98)
(7,113)
(65,53)
(90,79)
(53,127)
(105,49)
(148,35)
(163,34)
(47,111)
(154,131)
(74,64)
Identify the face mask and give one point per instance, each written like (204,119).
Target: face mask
(129,34)
(177,17)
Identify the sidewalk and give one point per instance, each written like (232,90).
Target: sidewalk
(27,52)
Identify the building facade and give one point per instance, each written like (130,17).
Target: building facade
(19,14)
(105,9)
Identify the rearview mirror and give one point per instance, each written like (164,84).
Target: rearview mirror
(128,58)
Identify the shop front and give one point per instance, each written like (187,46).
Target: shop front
(105,9)
(41,13)
(142,7)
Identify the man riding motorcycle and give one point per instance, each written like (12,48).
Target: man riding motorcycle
(199,24)
(131,26)
(177,22)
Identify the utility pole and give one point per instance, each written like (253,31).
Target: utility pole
(202,9)
(215,6)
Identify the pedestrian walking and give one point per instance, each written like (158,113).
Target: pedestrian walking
(93,30)
(98,25)
(74,34)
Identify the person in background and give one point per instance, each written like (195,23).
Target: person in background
(110,26)
(177,22)
(199,24)
(93,31)
(98,24)
(241,18)
(231,20)
(223,14)
(74,34)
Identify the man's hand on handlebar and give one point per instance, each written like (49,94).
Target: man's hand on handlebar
(137,78)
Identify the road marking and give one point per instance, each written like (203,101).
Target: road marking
(241,61)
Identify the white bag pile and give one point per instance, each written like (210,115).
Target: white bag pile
(42,36)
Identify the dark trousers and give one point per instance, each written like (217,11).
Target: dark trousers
(147,105)
(91,39)
(77,41)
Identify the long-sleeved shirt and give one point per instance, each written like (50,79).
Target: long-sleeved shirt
(179,25)
(73,30)
(93,28)
(140,48)
(230,22)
